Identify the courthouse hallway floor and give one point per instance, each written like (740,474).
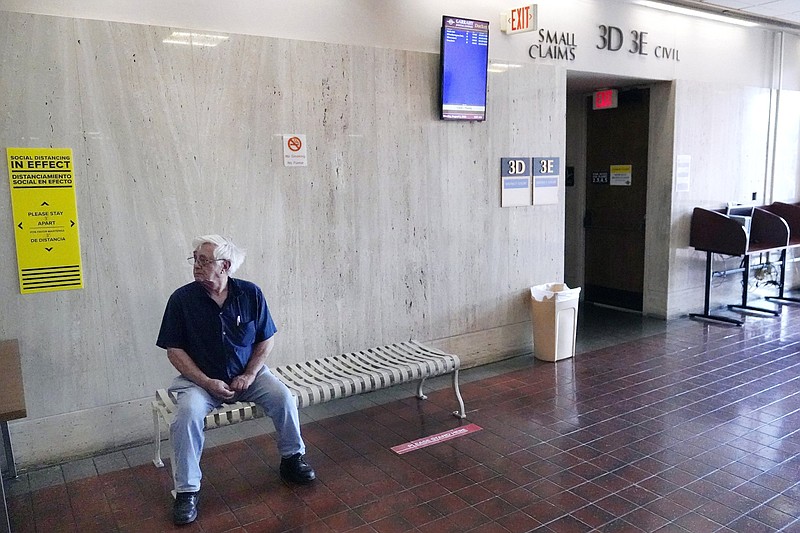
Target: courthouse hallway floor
(654,426)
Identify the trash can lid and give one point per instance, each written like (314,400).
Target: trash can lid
(559,290)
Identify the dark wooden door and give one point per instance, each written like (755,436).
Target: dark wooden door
(616,194)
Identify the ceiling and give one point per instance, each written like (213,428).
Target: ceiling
(778,13)
(778,10)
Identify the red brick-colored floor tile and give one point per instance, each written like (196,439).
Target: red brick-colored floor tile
(688,430)
(495,507)
(266,525)
(420,514)
(593,516)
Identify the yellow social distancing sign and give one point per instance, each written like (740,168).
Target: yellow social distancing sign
(45,219)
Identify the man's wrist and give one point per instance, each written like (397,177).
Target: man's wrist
(206,382)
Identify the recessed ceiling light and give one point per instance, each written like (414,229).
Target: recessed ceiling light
(195,39)
(501,67)
(696,13)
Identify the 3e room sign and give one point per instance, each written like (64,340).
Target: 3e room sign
(45,214)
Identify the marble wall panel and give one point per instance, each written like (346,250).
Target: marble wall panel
(141,150)
(41,108)
(392,231)
(660,187)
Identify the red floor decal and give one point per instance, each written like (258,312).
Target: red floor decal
(435,439)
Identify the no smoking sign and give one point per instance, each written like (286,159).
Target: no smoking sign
(294,150)
(294,144)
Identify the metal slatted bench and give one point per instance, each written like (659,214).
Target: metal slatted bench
(323,380)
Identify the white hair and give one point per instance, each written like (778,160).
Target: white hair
(224,249)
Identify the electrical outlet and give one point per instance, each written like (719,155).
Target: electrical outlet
(755,196)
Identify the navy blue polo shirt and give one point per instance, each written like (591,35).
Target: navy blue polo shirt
(219,340)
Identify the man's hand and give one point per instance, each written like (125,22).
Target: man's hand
(219,389)
(242,382)
(261,350)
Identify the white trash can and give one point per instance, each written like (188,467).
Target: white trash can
(554,317)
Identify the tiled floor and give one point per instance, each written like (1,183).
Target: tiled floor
(688,427)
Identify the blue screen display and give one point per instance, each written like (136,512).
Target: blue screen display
(464,59)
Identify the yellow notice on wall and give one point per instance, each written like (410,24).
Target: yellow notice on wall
(621,175)
(45,219)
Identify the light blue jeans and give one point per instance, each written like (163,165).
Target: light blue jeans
(194,403)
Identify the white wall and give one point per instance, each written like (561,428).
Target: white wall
(706,49)
(714,119)
(786,127)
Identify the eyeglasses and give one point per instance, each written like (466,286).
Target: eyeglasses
(202,261)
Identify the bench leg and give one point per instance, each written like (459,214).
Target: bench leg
(157,437)
(420,394)
(157,446)
(462,412)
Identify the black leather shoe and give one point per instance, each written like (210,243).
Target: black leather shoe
(294,469)
(184,511)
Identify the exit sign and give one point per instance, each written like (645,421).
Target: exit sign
(518,19)
(606,99)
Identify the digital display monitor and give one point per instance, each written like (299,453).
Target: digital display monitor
(464,59)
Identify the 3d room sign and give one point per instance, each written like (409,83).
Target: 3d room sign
(515,181)
(45,217)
